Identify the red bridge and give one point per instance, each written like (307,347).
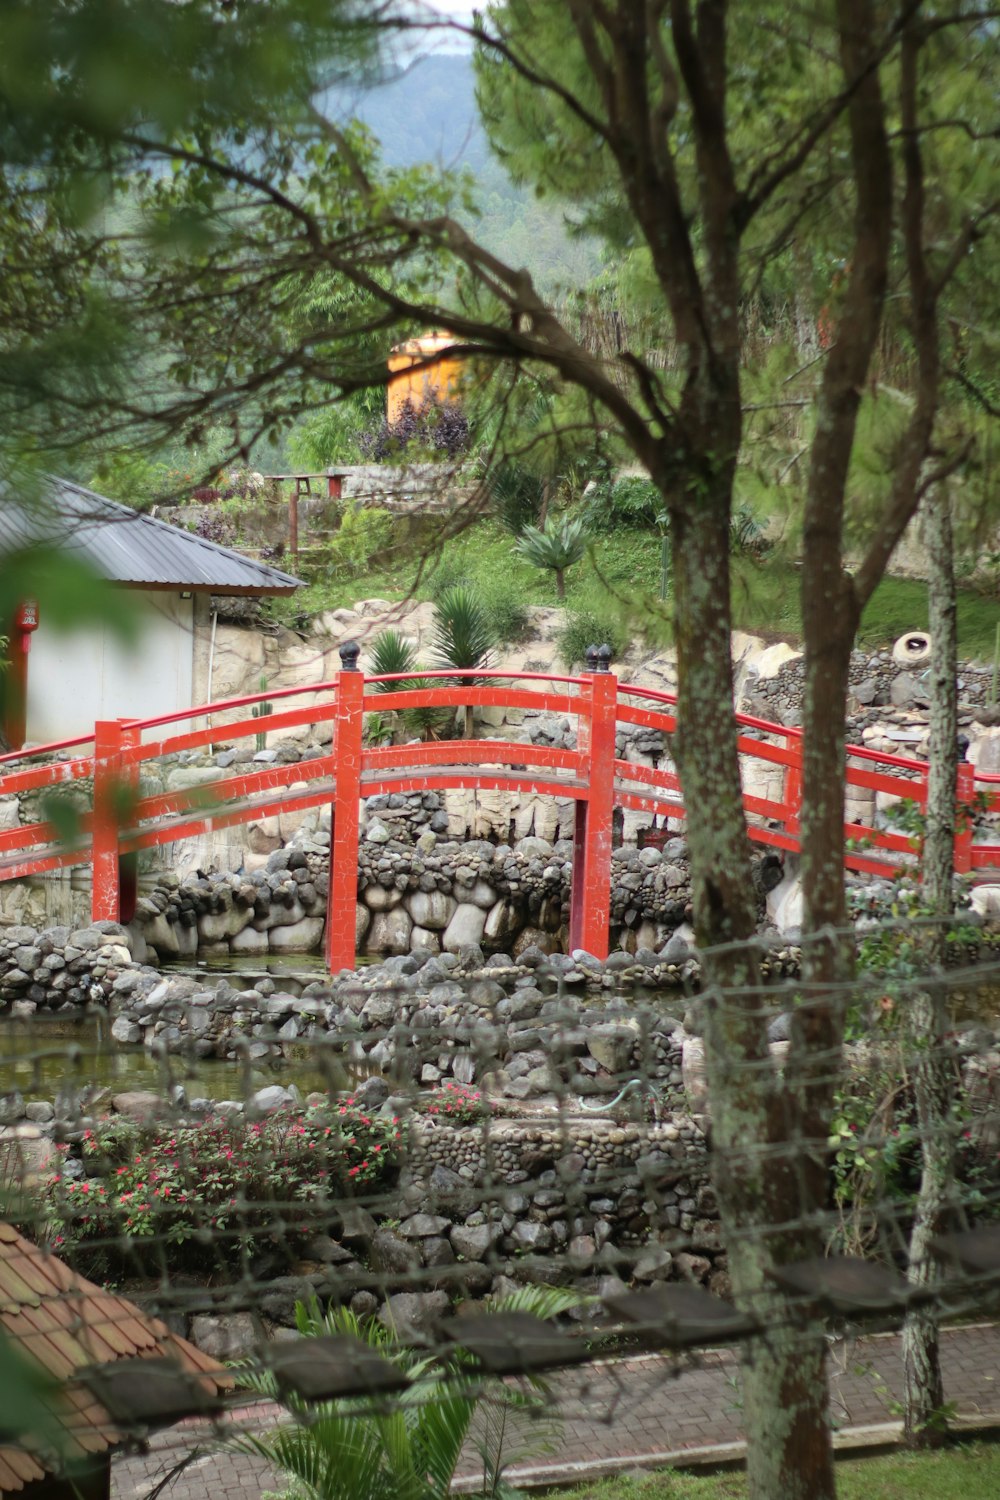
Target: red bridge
(121,824)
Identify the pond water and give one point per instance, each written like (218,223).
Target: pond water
(44,1054)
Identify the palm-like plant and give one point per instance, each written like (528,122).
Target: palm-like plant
(561,544)
(391,655)
(405,1451)
(463,637)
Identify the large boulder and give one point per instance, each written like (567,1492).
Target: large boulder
(390,932)
(431,909)
(297,937)
(465,928)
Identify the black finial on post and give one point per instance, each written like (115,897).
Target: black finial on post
(963,743)
(349,653)
(590,657)
(604,655)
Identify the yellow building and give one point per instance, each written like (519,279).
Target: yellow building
(421,371)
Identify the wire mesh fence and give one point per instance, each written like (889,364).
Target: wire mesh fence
(495,1182)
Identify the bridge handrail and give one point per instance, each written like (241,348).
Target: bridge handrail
(349,771)
(49,748)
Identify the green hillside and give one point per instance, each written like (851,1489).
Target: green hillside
(427,112)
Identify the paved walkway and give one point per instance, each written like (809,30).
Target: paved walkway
(614,1414)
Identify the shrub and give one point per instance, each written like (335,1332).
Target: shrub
(505,609)
(439,428)
(219,1184)
(629,502)
(216,526)
(583,628)
(515,497)
(746,533)
(362,535)
(456,1103)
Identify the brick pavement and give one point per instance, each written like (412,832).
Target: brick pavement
(620,1412)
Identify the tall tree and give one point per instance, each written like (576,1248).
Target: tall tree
(238,197)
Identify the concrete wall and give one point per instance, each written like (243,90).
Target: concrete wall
(75,678)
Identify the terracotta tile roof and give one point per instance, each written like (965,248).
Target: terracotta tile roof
(65,1323)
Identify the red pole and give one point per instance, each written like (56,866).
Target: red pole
(293,524)
(128,864)
(343,893)
(590,895)
(793,788)
(15,725)
(105,894)
(965,791)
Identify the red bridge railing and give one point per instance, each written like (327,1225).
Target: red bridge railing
(120,822)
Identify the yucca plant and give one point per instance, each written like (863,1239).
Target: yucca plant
(561,544)
(463,637)
(391,653)
(408,1450)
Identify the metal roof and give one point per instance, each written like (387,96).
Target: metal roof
(125,546)
(64,1324)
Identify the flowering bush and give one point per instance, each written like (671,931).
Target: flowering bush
(219,1184)
(454,1102)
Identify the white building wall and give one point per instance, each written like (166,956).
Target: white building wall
(75,678)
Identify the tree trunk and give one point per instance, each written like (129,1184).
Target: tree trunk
(933,1079)
(784,1376)
(560,585)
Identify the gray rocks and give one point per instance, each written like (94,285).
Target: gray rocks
(474,1242)
(408,1313)
(266,1101)
(465,928)
(232,1336)
(11,1107)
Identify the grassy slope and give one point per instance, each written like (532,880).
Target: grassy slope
(625,565)
(960,1473)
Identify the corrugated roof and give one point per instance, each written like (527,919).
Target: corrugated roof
(127,547)
(65,1324)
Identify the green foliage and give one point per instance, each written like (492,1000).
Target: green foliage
(630,502)
(956,1472)
(516,496)
(455,1103)
(585,627)
(504,607)
(561,544)
(461,631)
(463,637)
(389,655)
(409,1449)
(364,535)
(746,534)
(218,1184)
(392,653)
(262,711)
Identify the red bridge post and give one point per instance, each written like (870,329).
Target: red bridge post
(105,888)
(793,788)
(342,898)
(965,791)
(590,896)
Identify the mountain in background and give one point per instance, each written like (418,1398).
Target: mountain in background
(427,113)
